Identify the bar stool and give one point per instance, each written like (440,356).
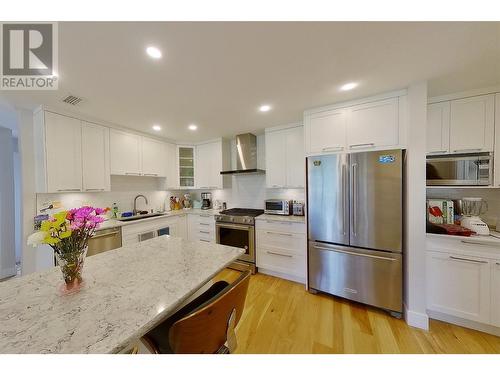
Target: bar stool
(205,325)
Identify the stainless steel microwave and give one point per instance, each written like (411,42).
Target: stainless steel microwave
(278,207)
(460,170)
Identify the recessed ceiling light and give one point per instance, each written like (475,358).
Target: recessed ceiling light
(157,127)
(348,86)
(193,127)
(153,52)
(265,108)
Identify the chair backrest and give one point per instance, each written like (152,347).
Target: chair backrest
(205,330)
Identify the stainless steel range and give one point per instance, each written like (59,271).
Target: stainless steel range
(236,227)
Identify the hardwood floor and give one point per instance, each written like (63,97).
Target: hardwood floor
(282,317)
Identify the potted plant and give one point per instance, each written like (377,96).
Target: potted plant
(68,233)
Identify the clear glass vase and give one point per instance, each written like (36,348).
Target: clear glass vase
(71,264)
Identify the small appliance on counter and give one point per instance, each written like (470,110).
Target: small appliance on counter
(298,208)
(278,207)
(206,199)
(471,209)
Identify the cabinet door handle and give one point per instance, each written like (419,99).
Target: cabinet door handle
(204,231)
(279,222)
(202,215)
(204,224)
(280,234)
(281,255)
(333,148)
(468,260)
(151,174)
(362,145)
(94,189)
(132,174)
(69,189)
(277,186)
(204,187)
(437,152)
(204,240)
(467,150)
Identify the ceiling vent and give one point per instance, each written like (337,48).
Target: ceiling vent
(73,100)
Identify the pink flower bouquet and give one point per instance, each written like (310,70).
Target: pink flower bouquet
(68,233)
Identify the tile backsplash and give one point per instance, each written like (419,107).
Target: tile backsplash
(491,196)
(247,191)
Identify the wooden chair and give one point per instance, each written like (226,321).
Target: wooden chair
(205,325)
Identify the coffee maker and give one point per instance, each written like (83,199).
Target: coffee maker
(206,201)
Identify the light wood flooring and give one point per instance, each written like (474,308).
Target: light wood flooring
(282,317)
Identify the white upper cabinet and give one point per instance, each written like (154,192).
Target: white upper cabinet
(153,158)
(276,159)
(495,293)
(95,161)
(472,123)
(63,150)
(326,131)
(438,128)
(171,166)
(459,285)
(211,159)
(295,164)
(285,159)
(373,125)
(376,123)
(126,152)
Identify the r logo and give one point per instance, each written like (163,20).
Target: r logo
(27,49)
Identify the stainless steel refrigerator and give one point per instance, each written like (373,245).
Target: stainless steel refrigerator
(355,226)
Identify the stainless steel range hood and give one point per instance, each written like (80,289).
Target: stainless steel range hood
(246,155)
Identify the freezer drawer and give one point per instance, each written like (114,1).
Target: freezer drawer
(366,276)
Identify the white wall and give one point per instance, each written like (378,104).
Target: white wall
(7,212)
(414,296)
(31,257)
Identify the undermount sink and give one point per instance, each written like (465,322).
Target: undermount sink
(139,217)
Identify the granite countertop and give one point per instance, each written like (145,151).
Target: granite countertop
(112,223)
(294,219)
(127,292)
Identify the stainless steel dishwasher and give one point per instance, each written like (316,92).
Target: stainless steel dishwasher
(104,240)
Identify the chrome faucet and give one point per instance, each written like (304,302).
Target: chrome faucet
(134,212)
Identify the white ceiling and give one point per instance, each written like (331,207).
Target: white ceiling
(217,74)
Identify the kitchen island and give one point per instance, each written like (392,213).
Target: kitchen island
(127,292)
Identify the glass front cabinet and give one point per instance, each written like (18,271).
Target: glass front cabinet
(186,166)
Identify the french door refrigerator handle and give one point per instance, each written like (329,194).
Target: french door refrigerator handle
(353,253)
(344,198)
(354,197)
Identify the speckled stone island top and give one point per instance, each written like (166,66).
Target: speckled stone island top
(128,291)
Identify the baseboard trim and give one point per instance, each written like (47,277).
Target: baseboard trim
(416,319)
(483,327)
(8,273)
(281,275)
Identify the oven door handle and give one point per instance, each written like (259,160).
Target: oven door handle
(233,226)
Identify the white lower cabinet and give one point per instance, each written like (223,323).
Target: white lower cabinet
(459,285)
(281,249)
(141,231)
(201,227)
(495,293)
